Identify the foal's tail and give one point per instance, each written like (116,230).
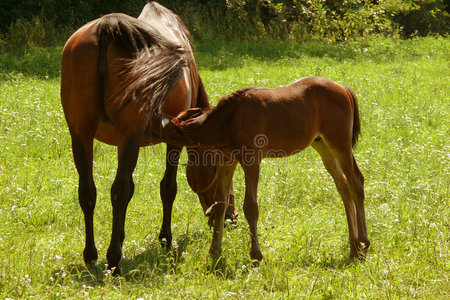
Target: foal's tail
(356,132)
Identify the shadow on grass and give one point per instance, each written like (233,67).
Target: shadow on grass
(152,264)
(330,263)
(219,267)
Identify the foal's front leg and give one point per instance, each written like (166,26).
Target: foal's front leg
(251,210)
(224,180)
(121,192)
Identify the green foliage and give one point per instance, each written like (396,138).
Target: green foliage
(36,32)
(402,87)
(306,20)
(37,23)
(28,22)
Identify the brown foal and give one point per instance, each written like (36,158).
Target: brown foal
(254,123)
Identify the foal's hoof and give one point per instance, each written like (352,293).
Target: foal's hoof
(359,251)
(90,257)
(231,216)
(256,258)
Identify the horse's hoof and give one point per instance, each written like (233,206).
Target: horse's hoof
(215,253)
(165,244)
(115,270)
(92,264)
(256,264)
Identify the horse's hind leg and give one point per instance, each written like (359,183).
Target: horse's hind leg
(121,192)
(251,209)
(359,202)
(168,191)
(355,182)
(82,148)
(333,167)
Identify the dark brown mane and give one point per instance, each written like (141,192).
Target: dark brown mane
(155,66)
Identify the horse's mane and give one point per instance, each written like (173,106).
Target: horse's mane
(155,66)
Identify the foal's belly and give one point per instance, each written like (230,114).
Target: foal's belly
(286,145)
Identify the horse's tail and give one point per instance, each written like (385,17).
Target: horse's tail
(356,131)
(155,64)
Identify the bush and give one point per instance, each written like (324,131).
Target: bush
(334,20)
(35,32)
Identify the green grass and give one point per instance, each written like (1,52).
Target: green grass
(403,88)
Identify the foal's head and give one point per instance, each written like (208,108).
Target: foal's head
(201,174)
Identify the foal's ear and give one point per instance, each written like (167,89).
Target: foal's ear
(189,114)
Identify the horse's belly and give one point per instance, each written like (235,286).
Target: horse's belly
(286,145)
(283,150)
(108,134)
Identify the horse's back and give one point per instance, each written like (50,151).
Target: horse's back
(166,22)
(291,116)
(96,73)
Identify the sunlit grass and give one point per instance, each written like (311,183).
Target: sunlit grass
(403,91)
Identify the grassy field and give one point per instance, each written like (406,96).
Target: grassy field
(403,88)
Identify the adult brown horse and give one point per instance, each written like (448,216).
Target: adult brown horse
(120,76)
(258,122)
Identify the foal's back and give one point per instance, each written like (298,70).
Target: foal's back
(292,116)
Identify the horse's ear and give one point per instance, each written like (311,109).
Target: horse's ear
(189,114)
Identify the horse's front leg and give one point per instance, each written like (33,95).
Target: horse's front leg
(251,209)
(121,192)
(87,194)
(224,180)
(168,191)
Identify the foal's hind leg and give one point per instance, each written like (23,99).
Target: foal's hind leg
(82,148)
(333,167)
(168,191)
(360,210)
(355,181)
(121,192)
